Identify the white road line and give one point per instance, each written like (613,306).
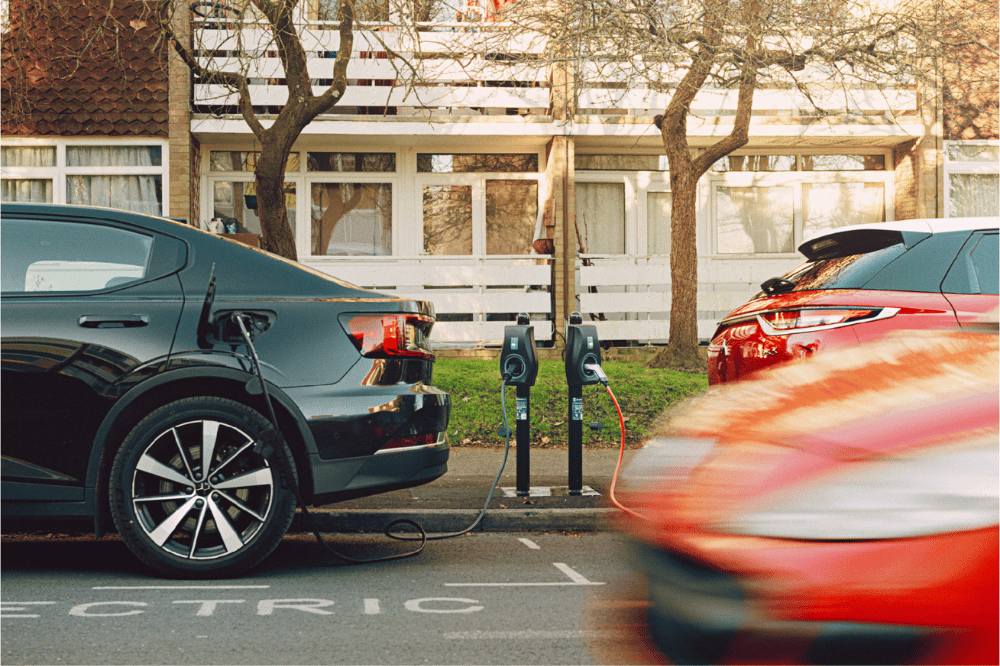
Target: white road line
(183,587)
(575,580)
(526,635)
(372,607)
(530,544)
(574,576)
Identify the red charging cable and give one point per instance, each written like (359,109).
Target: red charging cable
(621,456)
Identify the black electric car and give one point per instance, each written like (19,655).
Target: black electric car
(130,392)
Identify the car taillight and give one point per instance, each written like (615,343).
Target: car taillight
(390,336)
(407,442)
(812,319)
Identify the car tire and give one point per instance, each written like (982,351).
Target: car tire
(184,522)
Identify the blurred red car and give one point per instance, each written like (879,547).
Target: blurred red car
(859,283)
(842,510)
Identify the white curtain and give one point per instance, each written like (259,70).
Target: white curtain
(35,190)
(133,193)
(974,194)
(29,156)
(600,217)
(658,209)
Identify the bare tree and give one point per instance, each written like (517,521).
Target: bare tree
(823,53)
(284,22)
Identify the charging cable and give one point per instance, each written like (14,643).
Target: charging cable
(274,440)
(489,498)
(595,368)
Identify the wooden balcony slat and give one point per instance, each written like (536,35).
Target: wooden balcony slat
(764,100)
(422,96)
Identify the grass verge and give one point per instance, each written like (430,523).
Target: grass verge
(642,392)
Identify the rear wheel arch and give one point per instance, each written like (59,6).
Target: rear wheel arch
(174,385)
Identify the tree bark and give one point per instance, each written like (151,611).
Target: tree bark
(276,230)
(682,351)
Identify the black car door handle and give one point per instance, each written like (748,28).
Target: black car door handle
(113,321)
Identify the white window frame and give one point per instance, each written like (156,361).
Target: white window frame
(960,168)
(303,239)
(794,179)
(477,181)
(59,173)
(638,184)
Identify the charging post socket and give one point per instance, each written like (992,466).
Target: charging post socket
(519,368)
(583,367)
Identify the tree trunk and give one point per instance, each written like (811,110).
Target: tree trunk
(682,350)
(269,176)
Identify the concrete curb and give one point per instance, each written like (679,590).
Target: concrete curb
(454,520)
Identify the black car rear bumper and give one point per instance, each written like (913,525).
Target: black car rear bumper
(391,469)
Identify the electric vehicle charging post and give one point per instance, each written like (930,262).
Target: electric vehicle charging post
(519,368)
(583,367)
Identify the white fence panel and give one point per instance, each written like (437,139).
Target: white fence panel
(628,297)
(473,288)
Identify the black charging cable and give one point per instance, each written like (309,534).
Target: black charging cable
(489,498)
(273,440)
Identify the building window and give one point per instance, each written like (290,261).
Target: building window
(477,163)
(511,214)
(235,204)
(126,176)
(351,219)
(755,163)
(478,204)
(447,219)
(36,190)
(241,160)
(351,162)
(757,220)
(600,218)
(825,206)
(769,204)
(621,162)
(972,171)
(658,211)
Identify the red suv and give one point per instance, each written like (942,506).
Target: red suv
(859,283)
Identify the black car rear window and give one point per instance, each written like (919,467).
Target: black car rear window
(893,267)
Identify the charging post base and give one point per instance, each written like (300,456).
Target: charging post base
(522,432)
(575,443)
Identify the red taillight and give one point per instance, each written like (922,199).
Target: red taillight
(787,321)
(405,442)
(391,336)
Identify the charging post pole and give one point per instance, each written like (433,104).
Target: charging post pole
(583,348)
(519,368)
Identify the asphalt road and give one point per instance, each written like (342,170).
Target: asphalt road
(485,598)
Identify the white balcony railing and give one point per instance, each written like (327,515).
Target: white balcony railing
(484,69)
(480,73)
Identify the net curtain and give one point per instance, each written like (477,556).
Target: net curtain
(134,193)
(34,190)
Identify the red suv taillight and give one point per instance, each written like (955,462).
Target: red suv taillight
(812,319)
(390,336)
